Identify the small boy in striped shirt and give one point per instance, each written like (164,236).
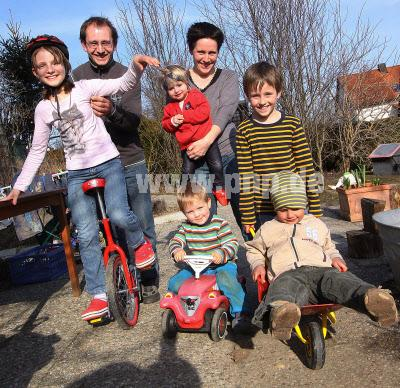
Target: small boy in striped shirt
(208,234)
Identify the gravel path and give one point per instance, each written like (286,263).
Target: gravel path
(43,342)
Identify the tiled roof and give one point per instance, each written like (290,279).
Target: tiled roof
(373,87)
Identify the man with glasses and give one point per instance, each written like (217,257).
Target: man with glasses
(121,115)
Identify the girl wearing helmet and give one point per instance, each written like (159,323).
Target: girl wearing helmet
(89,152)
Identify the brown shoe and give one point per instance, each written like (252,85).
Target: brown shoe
(284,316)
(381,305)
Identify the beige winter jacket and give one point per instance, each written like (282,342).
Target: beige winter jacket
(281,247)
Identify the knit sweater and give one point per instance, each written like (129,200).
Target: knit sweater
(265,149)
(213,236)
(85,140)
(123,123)
(281,247)
(223,96)
(197,121)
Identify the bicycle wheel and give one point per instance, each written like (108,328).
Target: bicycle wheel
(123,303)
(315,349)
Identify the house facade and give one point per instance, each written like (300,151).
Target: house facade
(370,95)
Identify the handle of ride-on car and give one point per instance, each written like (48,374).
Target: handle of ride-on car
(198,263)
(262,288)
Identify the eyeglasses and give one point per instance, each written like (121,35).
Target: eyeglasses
(95,44)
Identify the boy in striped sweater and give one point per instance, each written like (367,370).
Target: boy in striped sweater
(205,233)
(268,142)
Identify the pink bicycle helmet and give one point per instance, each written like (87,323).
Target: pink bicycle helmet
(46,40)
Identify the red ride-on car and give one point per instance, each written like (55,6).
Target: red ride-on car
(199,305)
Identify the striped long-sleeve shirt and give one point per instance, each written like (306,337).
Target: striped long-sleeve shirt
(265,149)
(213,236)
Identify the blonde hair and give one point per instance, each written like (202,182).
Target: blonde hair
(173,73)
(189,193)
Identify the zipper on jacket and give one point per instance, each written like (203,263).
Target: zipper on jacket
(293,246)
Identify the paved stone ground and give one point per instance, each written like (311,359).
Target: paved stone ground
(43,342)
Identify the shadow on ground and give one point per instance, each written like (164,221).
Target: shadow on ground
(170,370)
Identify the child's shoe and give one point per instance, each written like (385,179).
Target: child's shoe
(150,294)
(96,308)
(144,255)
(283,317)
(221,197)
(381,305)
(241,323)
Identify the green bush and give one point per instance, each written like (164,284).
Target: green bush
(161,150)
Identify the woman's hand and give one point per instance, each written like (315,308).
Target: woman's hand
(13,196)
(141,61)
(198,148)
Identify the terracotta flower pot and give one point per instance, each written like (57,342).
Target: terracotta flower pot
(350,199)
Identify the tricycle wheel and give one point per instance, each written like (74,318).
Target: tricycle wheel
(218,326)
(123,303)
(315,348)
(169,324)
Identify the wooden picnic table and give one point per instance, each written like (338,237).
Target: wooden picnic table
(29,202)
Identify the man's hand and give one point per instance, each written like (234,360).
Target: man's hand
(339,264)
(179,255)
(177,120)
(259,272)
(217,257)
(141,61)
(101,106)
(13,196)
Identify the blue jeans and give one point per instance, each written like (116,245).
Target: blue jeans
(226,277)
(84,216)
(232,189)
(141,204)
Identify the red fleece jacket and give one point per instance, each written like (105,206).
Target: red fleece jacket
(197,121)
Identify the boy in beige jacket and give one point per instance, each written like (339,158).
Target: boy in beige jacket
(303,266)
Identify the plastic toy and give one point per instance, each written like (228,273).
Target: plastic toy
(312,328)
(122,283)
(199,305)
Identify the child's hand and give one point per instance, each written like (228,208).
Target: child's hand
(141,61)
(217,257)
(339,264)
(177,120)
(13,196)
(179,255)
(247,228)
(259,272)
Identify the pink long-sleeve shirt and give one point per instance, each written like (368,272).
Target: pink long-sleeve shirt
(85,139)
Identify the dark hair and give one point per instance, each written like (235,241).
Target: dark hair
(60,57)
(99,21)
(204,30)
(258,74)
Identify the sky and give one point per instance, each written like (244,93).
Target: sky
(64,18)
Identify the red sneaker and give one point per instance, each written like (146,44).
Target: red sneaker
(144,255)
(97,308)
(221,197)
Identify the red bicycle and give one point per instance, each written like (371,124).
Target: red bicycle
(122,281)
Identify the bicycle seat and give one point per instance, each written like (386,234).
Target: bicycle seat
(94,183)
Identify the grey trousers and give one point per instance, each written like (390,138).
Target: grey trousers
(314,285)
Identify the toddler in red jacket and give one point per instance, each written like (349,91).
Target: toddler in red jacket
(187,115)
